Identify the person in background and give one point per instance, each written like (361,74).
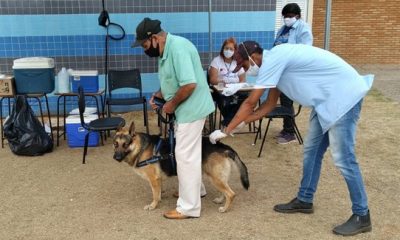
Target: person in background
(184,88)
(221,72)
(294,31)
(334,91)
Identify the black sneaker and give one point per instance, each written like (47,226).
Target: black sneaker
(355,225)
(294,206)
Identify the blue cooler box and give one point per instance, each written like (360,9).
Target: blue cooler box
(89,80)
(76,133)
(34,75)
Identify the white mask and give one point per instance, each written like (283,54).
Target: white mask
(228,53)
(253,69)
(289,21)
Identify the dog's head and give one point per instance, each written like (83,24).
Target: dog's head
(124,142)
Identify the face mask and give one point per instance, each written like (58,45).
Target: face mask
(289,21)
(228,53)
(153,51)
(253,69)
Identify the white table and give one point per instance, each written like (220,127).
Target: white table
(246,88)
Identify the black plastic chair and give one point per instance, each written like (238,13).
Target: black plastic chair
(126,79)
(98,125)
(280,112)
(212,117)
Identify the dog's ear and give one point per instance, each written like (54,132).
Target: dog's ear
(119,128)
(132,129)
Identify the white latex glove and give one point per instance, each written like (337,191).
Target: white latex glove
(232,88)
(237,128)
(216,136)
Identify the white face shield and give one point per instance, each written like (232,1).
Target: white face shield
(254,68)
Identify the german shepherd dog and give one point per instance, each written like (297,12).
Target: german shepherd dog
(217,160)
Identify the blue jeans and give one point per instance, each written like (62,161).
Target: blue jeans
(341,139)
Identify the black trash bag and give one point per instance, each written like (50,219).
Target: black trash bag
(25,134)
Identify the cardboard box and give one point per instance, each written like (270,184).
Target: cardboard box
(7,86)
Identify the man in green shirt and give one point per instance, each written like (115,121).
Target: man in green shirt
(185,89)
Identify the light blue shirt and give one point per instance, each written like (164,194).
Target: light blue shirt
(299,33)
(314,78)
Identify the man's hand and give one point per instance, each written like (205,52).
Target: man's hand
(169,107)
(237,128)
(216,136)
(151,101)
(152,104)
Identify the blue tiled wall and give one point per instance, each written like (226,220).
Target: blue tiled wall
(68,32)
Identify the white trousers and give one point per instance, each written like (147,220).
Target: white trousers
(188,165)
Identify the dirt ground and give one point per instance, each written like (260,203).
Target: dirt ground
(56,197)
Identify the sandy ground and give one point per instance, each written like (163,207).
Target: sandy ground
(56,197)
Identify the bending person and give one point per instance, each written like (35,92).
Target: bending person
(334,91)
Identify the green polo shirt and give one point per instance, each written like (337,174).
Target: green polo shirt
(181,65)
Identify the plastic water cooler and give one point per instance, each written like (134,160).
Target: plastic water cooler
(34,75)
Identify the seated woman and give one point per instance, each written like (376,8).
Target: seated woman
(221,72)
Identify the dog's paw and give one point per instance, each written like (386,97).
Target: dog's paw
(218,200)
(149,207)
(222,209)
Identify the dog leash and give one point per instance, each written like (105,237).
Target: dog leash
(171,156)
